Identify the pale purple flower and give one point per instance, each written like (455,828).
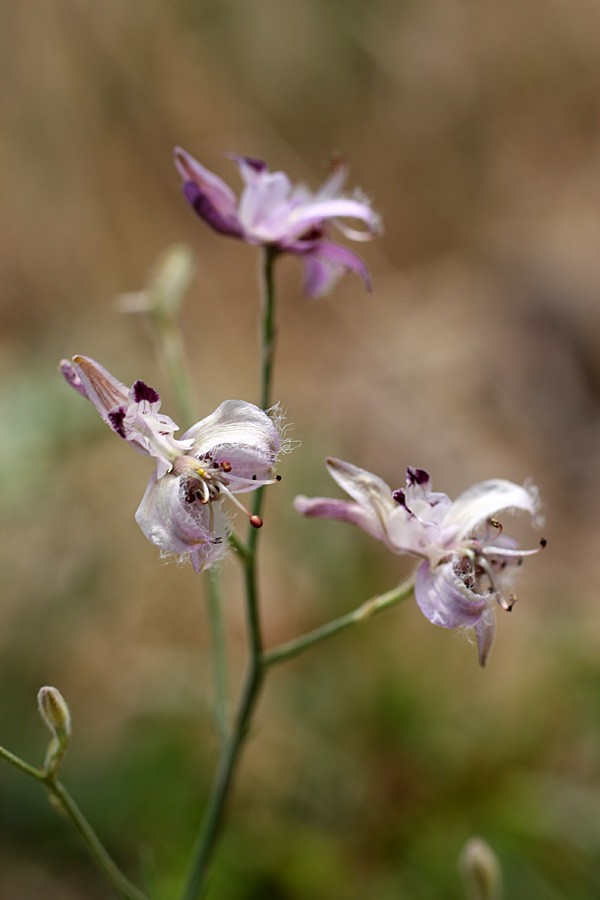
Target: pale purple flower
(467,559)
(232,451)
(290,218)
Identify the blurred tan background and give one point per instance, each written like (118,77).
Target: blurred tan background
(475,129)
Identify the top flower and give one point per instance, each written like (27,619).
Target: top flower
(467,558)
(234,450)
(292,219)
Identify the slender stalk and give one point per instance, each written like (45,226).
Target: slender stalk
(238,545)
(20,764)
(269,255)
(172,352)
(209,831)
(365,611)
(218,657)
(223,781)
(65,803)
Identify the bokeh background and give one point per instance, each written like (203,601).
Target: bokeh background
(475,128)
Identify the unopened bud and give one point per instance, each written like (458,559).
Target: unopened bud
(55,713)
(481,871)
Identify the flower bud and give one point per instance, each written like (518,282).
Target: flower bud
(55,713)
(480,869)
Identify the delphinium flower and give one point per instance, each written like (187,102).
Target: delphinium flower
(270,211)
(468,561)
(232,451)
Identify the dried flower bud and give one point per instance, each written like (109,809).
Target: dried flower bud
(480,870)
(166,286)
(55,713)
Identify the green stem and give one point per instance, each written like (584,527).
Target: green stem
(218,655)
(365,611)
(238,545)
(67,805)
(172,353)
(230,754)
(20,764)
(120,882)
(269,255)
(223,781)
(205,843)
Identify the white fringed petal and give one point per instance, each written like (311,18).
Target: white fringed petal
(487,500)
(240,433)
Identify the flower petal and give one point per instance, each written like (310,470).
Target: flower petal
(444,599)
(319,211)
(487,500)
(202,205)
(210,197)
(240,433)
(336,180)
(263,208)
(325,263)
(485,629)
(100,387)
(218,192)
(70,374)
(366,489)
(343,511)
(428,505)
(176,526)
(320,277)
(132,413)
(407,533)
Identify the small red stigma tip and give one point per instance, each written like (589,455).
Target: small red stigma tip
(256,521)
(226,466)
(543,542)
(278,478)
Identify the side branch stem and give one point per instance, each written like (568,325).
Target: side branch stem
(365,611)
(66,804)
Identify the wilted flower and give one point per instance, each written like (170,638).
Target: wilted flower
(468,560)
(292,219)
(229,452)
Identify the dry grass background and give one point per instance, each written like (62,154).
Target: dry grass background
(475,128)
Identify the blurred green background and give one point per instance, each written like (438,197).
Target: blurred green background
(475,127)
